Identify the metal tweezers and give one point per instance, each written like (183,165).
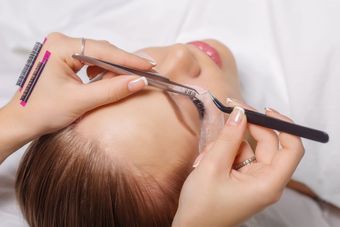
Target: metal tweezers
(156,80)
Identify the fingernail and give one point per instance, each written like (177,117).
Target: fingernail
(236,116)
(147,57)
(267,109)
(137,84)
(231,102)
(198,160)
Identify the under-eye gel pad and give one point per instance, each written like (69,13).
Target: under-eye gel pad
(212,122)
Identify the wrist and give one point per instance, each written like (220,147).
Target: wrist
(180,222)
(14,133)
(183,219)
(189,219)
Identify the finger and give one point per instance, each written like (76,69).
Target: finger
(104,75)
(290,154)
(267,143)
(223,152)
(108,91)
(66,46)
(235,102)
(245,152)
(267,139)
(200,156)
(294,141)
(104,50)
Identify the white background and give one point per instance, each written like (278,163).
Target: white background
(287,51)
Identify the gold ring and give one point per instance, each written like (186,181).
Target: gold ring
(244,163)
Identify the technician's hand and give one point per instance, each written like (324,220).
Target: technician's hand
(60,97)
(217,195)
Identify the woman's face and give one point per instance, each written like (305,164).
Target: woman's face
(155,130)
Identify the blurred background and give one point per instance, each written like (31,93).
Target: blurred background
(287,53)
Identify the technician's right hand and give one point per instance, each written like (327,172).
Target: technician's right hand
(217,195)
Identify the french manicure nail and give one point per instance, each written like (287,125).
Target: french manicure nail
(147,57)
(267,109)
(229,101)
(236,116)
(137,84)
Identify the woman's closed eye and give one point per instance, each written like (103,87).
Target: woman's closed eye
(200,107)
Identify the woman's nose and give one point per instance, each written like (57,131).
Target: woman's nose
(180,63)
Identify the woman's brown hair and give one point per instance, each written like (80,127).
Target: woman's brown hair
(66,180)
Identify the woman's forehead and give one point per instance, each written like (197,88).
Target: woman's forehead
(148,114)
(142,130)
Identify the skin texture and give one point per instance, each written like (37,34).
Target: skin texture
(161,130)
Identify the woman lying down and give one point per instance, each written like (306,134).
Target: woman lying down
(125,164)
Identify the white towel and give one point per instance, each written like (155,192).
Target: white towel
(287,53)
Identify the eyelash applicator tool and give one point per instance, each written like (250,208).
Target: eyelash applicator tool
(276,124)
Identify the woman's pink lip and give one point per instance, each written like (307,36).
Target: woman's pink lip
(209,50)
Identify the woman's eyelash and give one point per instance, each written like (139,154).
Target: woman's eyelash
(200,106)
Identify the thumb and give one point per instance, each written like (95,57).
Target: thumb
(108,91)
(225,148)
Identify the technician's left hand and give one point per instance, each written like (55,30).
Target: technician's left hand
(60,97)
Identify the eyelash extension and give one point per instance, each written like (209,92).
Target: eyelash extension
(199,105)
(33,81)
(29,64)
